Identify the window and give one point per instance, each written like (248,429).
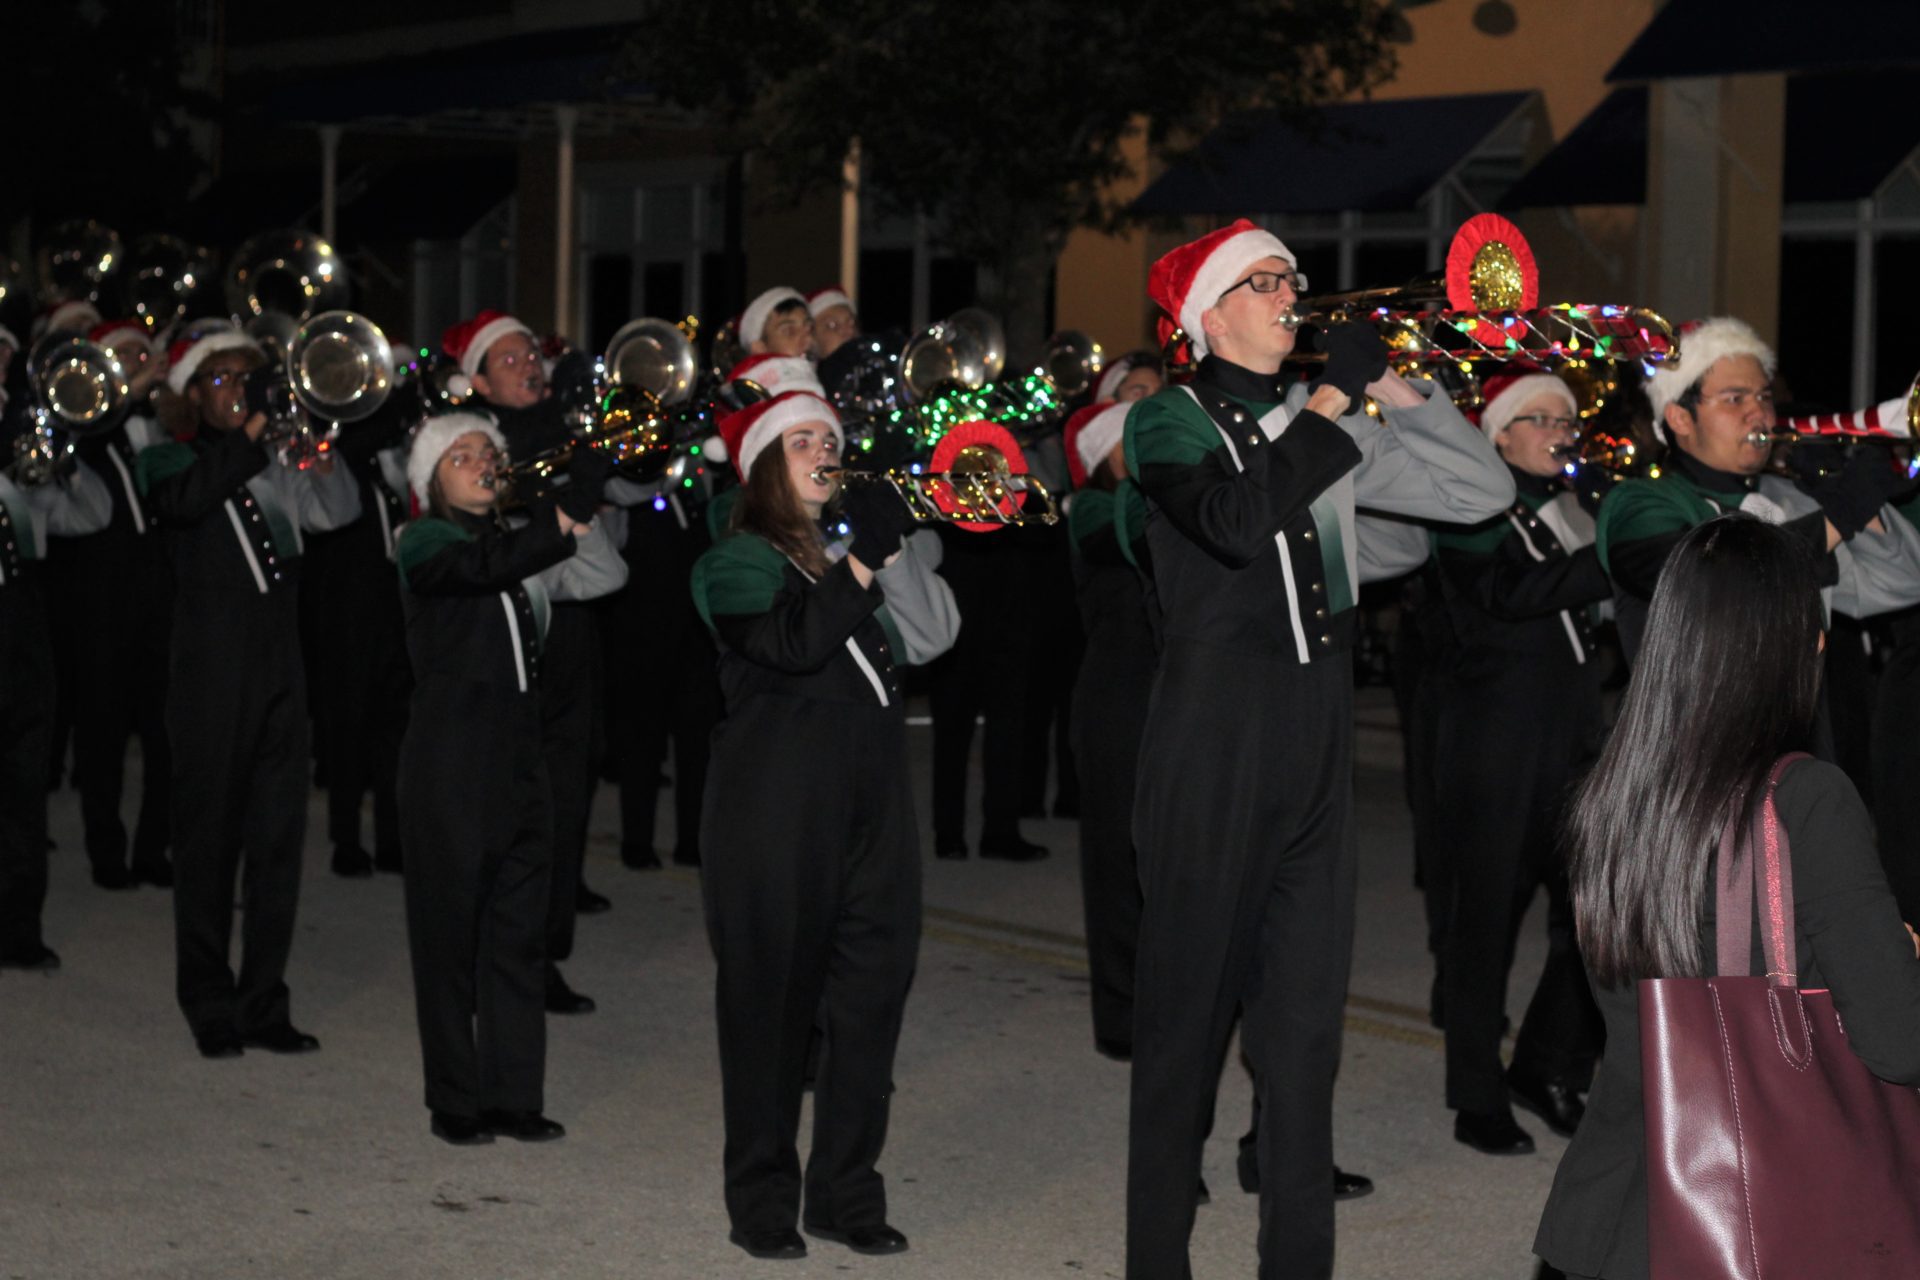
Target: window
(651,243)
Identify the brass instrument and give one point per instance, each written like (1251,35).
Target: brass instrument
(654,355)
(337,368)
(79,389)
(1074,361)
(1895,421)
(76,261)
(293,272)
(164,274)
(978,481)
(631,426)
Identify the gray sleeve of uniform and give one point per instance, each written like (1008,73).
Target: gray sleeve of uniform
(1879,572)
(320,500)
(73,506)
(1424,461)
(919,600)
(595,568)
(1390,546)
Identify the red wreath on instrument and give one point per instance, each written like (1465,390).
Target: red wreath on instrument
(1491,267)
(973,437)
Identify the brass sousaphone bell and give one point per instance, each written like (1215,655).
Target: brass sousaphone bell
(79,390)
(338,368)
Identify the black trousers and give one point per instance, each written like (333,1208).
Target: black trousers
(1896,762)
(1058,643)
(26,729)
(362,682)
(237,717)
(813,909)
(570,683)
(663,690)
(1109,716)
(1247,866)
(476,822)
(984,673)
(1514,736)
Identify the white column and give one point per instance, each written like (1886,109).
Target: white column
(329,180)
(850,222)
(1863,303)
(565,116)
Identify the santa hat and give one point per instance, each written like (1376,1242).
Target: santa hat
(111,333)
(1703,344)
(753,321)
(1090,436)
(1189,281)
(1116,373)
(468,341)
(76,315)
(431,442)
(831,296)
(186,356)
(1509,393)
(779,374)
(749,431)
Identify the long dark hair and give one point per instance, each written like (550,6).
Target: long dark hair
(1725,683)
(769,507)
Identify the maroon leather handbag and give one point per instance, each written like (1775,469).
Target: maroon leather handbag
(1772,1152)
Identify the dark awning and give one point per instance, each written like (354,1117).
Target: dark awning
(1732,37)
(438,200)
(1845,133)
(504,86)
(1354,155)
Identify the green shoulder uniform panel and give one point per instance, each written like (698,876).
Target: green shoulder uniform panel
(737,576)
(1090,514)
(1169,428)
(423,539)
(157,462)
(1638,509)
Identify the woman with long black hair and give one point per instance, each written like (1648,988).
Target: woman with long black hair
(1725,684)
(810,858)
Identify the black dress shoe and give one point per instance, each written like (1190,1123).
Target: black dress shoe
(1012,849)
(352,862)
(639,859)
(219,1044)
(460,1131)
(588,903)
(1118,1050)
(111,875)
(522,1126)
(1346,1186)
(156,871)
(285,1038)
(950,850)
(39,957)
(562,998)
(780,1242)
(1492,1133)
(1554,1101)
(876,1239)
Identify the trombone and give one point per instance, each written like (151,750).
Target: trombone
(1895,421)
(631,425)
(978,481)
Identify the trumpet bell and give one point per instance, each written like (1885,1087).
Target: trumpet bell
(293,272)
(77,260)
(655,356)
(79,383)
(1073,361)
(340,366)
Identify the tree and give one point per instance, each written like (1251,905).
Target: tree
(1003,120)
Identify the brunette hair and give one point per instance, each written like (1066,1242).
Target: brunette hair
(770,508)
(1726,682)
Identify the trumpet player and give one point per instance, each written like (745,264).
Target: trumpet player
(1243,811)
(476,808)
(236,699)
(74,505)
(1714,407)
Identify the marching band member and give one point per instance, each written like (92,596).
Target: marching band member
(813,887)
(1248,886)
(476,808)
(1107,519)
(1134,376)
(835,322)
(1715,406)
(236,707)
(73,506)
(498,353)
(777,323)
(109,599)
(1518,703)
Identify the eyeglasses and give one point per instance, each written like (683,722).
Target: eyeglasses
(1270,281)
(1547,422)
(462,458)
(1738,398)
(223,379)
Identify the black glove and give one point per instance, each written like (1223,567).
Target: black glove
(1355,357)
(1814,460)
(1591,485)
(879,520)
(1865,482)
(587,472)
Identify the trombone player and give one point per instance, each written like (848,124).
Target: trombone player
(1243,813)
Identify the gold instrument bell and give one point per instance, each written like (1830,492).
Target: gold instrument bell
(977,479)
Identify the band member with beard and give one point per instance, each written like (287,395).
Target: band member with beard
(109,599)
(476,806)
(1243,815)
(236,707)
(499,355)
(75,505)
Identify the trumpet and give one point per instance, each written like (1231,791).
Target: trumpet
(978,481)
(631,426)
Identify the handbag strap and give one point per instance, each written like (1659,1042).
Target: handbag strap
(1766,870)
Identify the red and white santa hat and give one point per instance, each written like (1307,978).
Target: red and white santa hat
(111,333)
(185,357)
(75,315)
(468,341)
(1090,435)
(831,296)
(1189,281)
(431,442)
(1508,393)
(753,321)
(1703,343)
(747,432)
(779,374)
(1114,374)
